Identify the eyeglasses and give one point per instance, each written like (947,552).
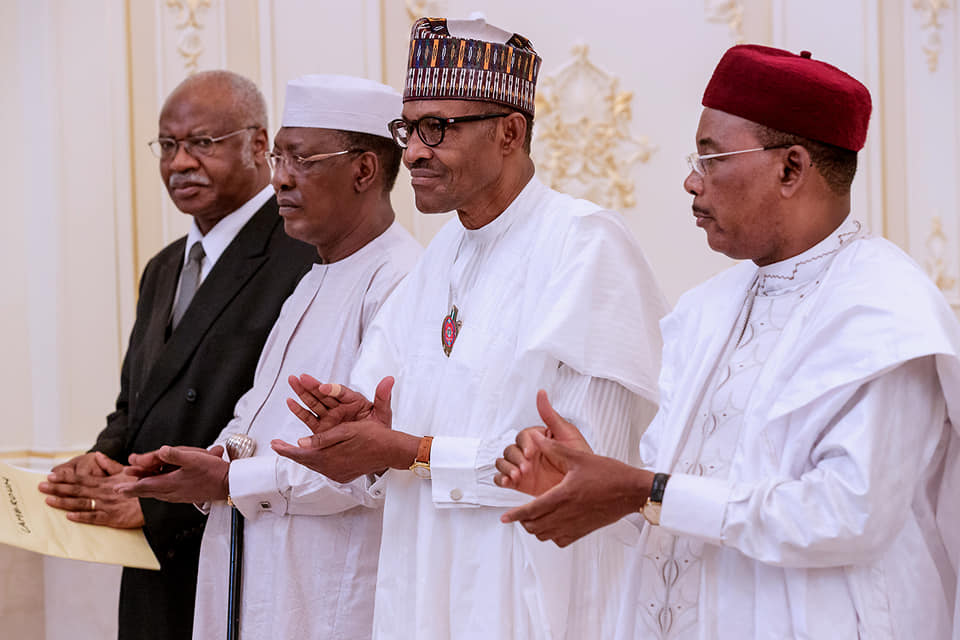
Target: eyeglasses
(166,148)
(697,165)
(430,128)
(299,164)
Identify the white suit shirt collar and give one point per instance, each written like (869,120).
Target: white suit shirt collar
(222,234)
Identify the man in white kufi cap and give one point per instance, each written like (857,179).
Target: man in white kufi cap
(310,543)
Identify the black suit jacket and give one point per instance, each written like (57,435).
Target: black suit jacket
(181,390)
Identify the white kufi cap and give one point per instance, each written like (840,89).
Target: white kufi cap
(345,103)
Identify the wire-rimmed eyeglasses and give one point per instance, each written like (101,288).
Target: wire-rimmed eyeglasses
(300,164)
(166,148)
(430,128)
(695,160)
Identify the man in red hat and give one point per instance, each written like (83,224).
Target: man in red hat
(800,478)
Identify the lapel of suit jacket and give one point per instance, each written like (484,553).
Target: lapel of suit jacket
(238,263)
(164,290)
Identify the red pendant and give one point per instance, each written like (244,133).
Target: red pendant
(449,330)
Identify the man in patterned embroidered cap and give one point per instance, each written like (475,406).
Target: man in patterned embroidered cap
(525,289)
(801,477)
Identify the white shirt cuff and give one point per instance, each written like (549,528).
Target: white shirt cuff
(253,486)
(695,506)
(453,471)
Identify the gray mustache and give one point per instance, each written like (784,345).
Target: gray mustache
(178,180)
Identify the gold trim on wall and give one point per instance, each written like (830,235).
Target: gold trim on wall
(933,45)
(583,144)
(190,45)
(728,12)
(936,266)
(425,8)
(44,455)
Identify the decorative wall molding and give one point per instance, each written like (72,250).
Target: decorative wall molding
(931,27)
(190,43)
(583,143)
(425,8)
(728,12)
(935,263)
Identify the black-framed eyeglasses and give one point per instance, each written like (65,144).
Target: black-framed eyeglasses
(166,148)
(430,128)
(300,164)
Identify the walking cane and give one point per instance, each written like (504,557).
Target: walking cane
(239,445)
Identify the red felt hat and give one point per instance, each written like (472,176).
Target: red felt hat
(791,93)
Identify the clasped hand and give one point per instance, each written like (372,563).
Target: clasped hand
(351,435)
(85,486)
(177,474)
(578,490)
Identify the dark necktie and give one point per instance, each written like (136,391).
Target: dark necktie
(189,282)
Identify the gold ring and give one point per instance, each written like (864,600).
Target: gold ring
(93,504)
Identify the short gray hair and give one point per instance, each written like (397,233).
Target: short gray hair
(248,101)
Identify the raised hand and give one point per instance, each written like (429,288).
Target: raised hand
(348,450)
(327,405)
(593,491)
(194,475)
(523,466)
(90,497)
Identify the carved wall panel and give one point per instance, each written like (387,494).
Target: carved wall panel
(931,103)
(583,145)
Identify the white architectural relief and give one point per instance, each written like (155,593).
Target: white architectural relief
(931,28)
(935,261)
(190,44)
(583,145)
(728,12)
(425,9)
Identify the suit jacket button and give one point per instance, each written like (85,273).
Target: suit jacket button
(191,394)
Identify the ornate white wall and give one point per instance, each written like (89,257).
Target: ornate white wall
(619,101)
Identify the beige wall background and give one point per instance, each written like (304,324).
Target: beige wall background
(618,106)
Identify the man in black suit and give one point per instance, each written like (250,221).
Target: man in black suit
(207,303)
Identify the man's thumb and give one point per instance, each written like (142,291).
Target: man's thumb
(109,466)
(560,428)
(381,400)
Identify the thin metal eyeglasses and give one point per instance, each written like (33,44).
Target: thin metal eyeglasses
(300,164)
(430,128)
(166,148)
(695,160)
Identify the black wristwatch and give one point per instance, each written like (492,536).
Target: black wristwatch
(651,510)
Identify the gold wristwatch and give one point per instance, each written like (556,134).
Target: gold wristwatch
(421,464)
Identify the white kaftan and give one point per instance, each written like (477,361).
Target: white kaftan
(310,544)
(804,418)
(553,294)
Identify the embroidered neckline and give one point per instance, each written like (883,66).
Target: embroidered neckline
(814,254)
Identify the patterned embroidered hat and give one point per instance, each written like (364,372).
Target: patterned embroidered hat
(470,60)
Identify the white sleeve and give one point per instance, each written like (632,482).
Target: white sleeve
(462,469)
(877,438)
(279,485)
